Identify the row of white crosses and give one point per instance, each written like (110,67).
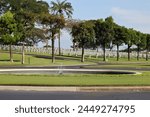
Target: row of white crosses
(71,52)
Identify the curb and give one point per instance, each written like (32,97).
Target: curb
(76,89)
(52,71)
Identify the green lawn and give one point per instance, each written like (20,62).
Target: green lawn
(40,59)
(77,80)
(74,79)
(45,59)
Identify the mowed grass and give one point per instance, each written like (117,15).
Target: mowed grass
(76,80)
(45,59)
(39,59)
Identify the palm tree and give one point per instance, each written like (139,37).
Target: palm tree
(61,8)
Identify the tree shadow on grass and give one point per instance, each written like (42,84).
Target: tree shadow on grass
(56,57)
(146,65)
(73,58)
(7,60)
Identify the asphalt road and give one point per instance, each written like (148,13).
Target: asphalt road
(37,95)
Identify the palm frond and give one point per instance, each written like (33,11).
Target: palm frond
(61,8)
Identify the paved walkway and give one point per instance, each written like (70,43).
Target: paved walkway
(76,89)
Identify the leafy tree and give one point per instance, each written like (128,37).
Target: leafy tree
(61,8)
(130,36)
(104,33)
(51,24)
(26,13)
(69,23)
(73,25)
(119,37)
(140,42)
(9,30)
(147,46)
(83,33)
(98,31)
(35,35)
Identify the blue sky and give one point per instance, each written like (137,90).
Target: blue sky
(130,13)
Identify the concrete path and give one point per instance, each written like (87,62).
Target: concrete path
(76,89)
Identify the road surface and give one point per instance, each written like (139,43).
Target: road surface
(46,95)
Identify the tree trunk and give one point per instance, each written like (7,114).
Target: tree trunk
(0,53)
(97,49)
(117,52)
(53,48)
(82,57)
(104,53)
(147,51)
(46,44)
(138,52)
(23,55)
(74,46)
(11,55)
(129,53)
(59,43)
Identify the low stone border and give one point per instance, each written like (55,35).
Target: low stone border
(76,89)
(65,71)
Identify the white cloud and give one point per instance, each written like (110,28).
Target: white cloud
(131,16)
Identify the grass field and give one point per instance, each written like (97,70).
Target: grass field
(40,59)
(77,80)
(45,59)
(33,59)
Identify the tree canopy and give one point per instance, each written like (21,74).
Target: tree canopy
(83,34)
(31,21)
